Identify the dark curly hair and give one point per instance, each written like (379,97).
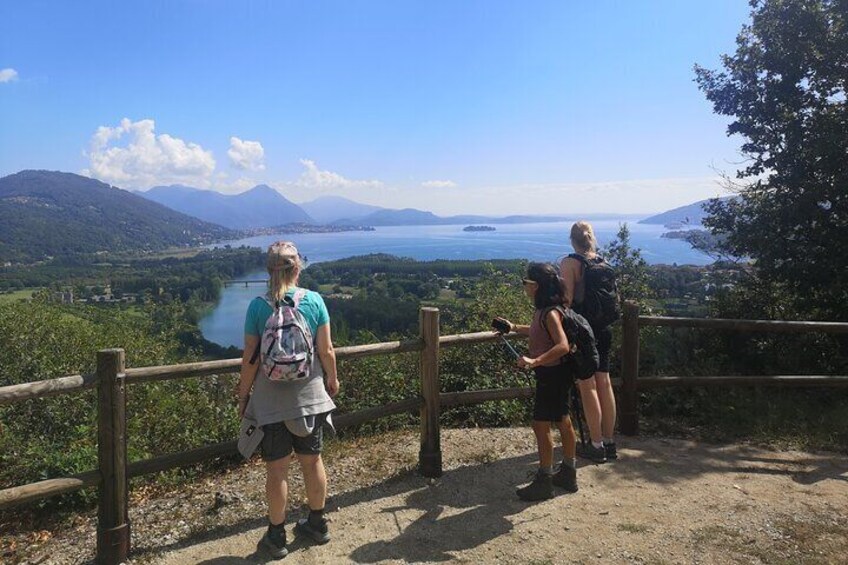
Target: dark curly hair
(550,290)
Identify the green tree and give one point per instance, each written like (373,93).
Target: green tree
(49,437)
(785,90)
(631,268)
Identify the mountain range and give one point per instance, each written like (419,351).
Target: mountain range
(238,211)
(691,214)
(259,207)
(330,209)
(47,213)
(413,217)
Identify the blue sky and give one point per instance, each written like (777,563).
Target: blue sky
(495,107)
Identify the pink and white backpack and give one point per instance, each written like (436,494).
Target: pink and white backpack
(286,347)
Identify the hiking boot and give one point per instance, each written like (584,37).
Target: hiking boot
(540,489)
(274,541)
(565,478)
(318,532)
(592,453)
(611,453)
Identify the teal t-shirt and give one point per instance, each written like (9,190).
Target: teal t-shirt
(311,306)
(275,401)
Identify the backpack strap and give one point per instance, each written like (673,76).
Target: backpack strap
(583,260)
(544,317)
(298,295)
(259,344)
(572,347)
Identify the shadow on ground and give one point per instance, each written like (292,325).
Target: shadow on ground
(669,461)
(469,506)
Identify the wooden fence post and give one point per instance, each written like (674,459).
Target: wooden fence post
(430,456)
(629,419)
(113,528)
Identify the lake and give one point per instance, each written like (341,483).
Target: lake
(536,242)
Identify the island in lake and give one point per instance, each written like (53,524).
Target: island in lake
(478,228)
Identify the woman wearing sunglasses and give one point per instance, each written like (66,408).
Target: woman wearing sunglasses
(548,344)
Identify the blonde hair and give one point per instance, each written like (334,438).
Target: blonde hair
(284,267)
(583,237)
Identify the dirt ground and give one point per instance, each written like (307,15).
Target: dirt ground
(663,501)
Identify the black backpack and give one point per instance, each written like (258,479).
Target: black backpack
(584,358)
(600,297)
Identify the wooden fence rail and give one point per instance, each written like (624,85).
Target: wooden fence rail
(111,378)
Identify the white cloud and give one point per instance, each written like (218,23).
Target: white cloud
(8,75)
(246,155)
(131,155)
(226,185)
(439,184)
(315,178)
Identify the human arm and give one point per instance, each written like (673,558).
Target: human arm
(327,355)
(553,323)
(569,269)
(248,372)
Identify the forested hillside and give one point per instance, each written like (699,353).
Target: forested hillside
(49,214)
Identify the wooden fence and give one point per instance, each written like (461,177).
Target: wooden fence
(112,377)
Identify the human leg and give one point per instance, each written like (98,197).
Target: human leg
(591,407)
(566,476)
(541,487)
(276,493)
(606,396)
(276,488)
(569,438)
(315,476)
(592,412)
(545,443)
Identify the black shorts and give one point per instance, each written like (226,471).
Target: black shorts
(603,341)
(553,385)
(278,441)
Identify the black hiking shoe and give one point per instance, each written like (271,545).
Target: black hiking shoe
(565,478)
(274,541)
(611,453)
(317,532)
(592,453)
(540,489)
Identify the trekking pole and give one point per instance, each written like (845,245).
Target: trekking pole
(577,408)
(509,345)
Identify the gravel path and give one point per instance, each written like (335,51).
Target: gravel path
(664,501)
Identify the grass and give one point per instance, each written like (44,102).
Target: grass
(632,528)
(326,289)
(15,295)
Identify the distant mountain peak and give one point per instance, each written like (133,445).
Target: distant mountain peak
(258,207)
(262,189)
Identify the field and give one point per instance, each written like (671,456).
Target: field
(15,295)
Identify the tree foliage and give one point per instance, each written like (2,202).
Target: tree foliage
(50,214)
(785,90)
(632,274)
(49,437)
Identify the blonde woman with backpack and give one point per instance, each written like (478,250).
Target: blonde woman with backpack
(599,305)
(286,389)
